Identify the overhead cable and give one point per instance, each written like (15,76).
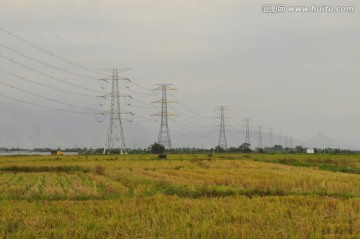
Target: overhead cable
(48,52)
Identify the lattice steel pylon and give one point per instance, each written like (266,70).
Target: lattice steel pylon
(280,138)
(247,131)
(115,134)
(260,143)
(222,135)
(164,132)
(270,137)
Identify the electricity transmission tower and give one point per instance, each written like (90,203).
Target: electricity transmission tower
(280,138)
(260,144)
(270,138)
(115,134)
(247,131)
(222,136)
(164,133)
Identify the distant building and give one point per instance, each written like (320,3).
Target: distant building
(57,152)
(310,151)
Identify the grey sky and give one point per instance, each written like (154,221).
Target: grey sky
(295,72)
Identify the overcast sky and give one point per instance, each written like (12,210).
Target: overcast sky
(295,72)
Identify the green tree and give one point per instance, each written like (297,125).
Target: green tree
(299,150)
(219,149)
(245,148)
(157,148)
(278,147)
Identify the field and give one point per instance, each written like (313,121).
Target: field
(185,196)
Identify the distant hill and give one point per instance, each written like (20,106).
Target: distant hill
(320,140)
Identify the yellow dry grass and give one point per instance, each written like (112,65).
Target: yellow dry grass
(187,196)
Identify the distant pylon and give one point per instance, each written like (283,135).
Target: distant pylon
(222,136)
(260,144)
(115,135)
(280,138)
(164,133)
(270,138)
(247,131)
(291,142)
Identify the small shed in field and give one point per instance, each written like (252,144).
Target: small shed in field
(310,151)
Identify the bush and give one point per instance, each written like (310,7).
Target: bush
(99,170)
(163,156)
(157,148)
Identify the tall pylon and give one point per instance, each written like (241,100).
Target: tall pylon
(164,132)
(260,144)
(270,137)
(247,131)
(115,134)
(222,136)
(280,138)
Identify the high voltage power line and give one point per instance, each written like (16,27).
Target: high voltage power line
(145,118)
(190,132)
(45,98)
(42,84)
(195,113)
(187,117)
(45,85)
(151,93)
(46,64)
(191,121)
(164,134)
(48,52)
(191,126)
(45,107)
(138,92)
(49,76)
(143,87)
(184,115)
(144,103)
(46,75)
(181,114)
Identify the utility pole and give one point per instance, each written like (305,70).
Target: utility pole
(260,144)
(222,136)
(164,133)
(247,131)
(115,134)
